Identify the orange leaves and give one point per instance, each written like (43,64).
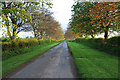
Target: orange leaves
(111,4)
(116,17)
(99,22)
(98,16)
(103,11)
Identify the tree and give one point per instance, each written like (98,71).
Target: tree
(80,19)
(16,14)
(40,23)
(105,17)
(58,33)
(70,35)
(45,26)
(93,18)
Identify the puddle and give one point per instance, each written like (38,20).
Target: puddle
(67,57)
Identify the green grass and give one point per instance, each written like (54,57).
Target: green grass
(110,46)
(15,61)
(92,63)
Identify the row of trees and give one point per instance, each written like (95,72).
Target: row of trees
(30,16)
(45,26)
(91,18)
(70,35)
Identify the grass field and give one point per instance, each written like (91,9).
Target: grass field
(92,63)
(10,64)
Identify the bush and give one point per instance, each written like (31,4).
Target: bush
(79,40)
(42,42)
(47,41)
(6,46)
(114,41)
(5,40)
(22,43)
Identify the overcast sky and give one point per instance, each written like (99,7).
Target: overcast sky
(62,11)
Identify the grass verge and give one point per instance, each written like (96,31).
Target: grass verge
(110,46)
(13,62)
(92,63)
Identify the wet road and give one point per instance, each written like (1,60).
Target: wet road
(55,63)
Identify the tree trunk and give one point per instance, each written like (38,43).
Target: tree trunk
(41,34)
(35,35)
(34,31)
(92,36)
(106,34)
(14,34)
(8,32)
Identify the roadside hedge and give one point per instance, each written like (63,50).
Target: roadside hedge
(22,43)
(110,45)
(114,41)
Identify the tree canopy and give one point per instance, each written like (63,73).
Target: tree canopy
(91,18)
(16,14)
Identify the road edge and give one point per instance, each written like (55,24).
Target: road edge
(26,63)
(73,63)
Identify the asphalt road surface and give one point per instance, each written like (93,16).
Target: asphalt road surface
(55,63)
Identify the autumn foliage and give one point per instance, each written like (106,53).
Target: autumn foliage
(70,35)
(95,17)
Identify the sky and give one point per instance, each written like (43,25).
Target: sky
(62,11)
